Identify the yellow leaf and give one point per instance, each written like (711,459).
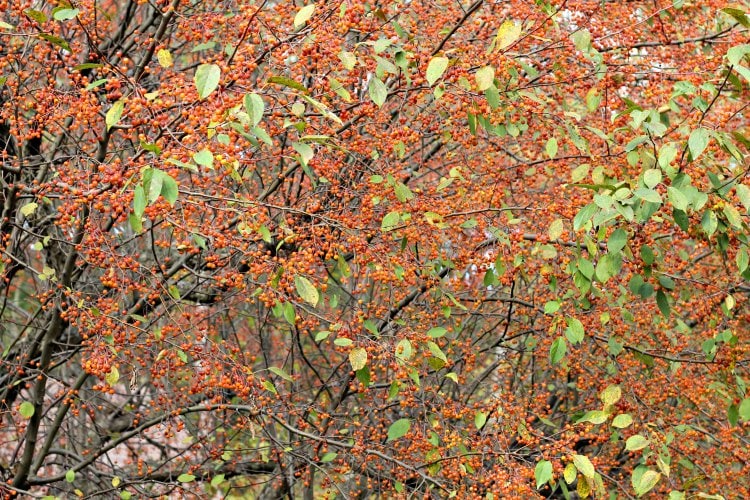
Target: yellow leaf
(507,34)
(358,358)
(165,58)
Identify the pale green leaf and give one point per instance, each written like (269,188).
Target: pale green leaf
(254,106)
(206,79)
(390,221)
(378,91)
(303,15)
(551,147)
(645,482)
(186,478)
(697,142)
(635,443)
(622,421)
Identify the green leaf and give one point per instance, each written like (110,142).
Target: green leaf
(584,215)
(328,457)
(287,82)
(574,332)
(507,34)
(280,372)
(64,14)
(254,106)
(617,241)
(744,410)
(26,409)
(636,442)
(403,193)
(480,418)
(163,184)
(697,142)
(306,290)
(306,153)
(557,350)
(677,198)
(60,42)
(186,478)
(584,466)
(206,79)
(485,77)
(304,15)
(343,342)
(551,147)
(662,302)
(437,352)
(622,421)
(390,221)
(70,476)
(398,429)
(217,480)
(552,307)
(436,332)
(543,473)
(378,91)
(114,114)
(435,69)
(358,358)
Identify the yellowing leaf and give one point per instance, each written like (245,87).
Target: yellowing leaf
(435,69)
(555,229)
(29,209)
(358,358)
(114,114)
(584,465)
(485,77)
(304,15)
(611,395)
(306,290)
(507,34)
(113,376)
(165,58)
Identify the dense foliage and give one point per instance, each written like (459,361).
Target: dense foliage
(344,249)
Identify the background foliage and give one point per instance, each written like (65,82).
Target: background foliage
(345,249)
